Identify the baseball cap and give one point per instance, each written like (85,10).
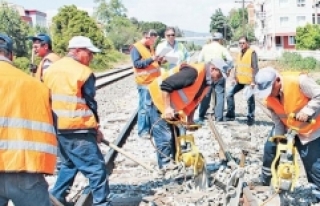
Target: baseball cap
(6,42)
(79,42)
(264,80)
(217,36)
(221,65)
(41,37)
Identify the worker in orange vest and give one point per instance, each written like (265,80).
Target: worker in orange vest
(178,90)
(285,93)
(146,69)
(28,144)
(72,85)
(42,47)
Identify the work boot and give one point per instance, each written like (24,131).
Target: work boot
(250,121)
(199,121)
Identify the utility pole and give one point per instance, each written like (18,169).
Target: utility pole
(243,20)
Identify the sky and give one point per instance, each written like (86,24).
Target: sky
(193,15)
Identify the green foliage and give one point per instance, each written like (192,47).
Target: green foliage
(191,46)
(22,63)
(105,12)
(235,20)
(156,25)
(71,22)
(219,24)
(308,37)
(12,25)
(294,61)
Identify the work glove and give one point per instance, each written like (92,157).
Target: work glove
(33,68)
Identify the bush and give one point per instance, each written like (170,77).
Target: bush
(294,61)
(22,63)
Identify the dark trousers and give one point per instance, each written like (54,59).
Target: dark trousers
(219,89)
(309,154)
(231,105)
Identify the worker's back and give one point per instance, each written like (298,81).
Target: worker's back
(214,50)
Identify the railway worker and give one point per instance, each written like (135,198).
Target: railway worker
(28,145)
(179,51)
(245,71)
(180,89)
(146,69)
(283,94)
(42,47)
(216,94)
(72,86)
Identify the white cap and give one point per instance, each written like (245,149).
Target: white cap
(264,81)
(82,42)
(221,65)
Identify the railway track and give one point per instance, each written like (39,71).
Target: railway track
(131,184)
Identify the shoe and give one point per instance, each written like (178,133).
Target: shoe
(230,118)
(145,136)
(250,121)
(199,121)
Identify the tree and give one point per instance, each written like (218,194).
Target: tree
(71,22)
(123,32)
(12,25)
(308,37)
(219,24)
(105,12)
(156,25)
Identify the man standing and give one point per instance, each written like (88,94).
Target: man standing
(180,89)
(292,92)
(72,86)
(245,71)
(215,96)
(42,47)
(146,69)
(28,144)
(178,51)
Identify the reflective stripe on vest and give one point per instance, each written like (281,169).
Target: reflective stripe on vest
(26,124)
(66,98)
(146,72)
(27,145)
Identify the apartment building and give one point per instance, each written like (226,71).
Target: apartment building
(30,16)
(277,20)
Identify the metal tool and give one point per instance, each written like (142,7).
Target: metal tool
(188,153)
(224,151)
(285,168)
(130,156)
(235,183)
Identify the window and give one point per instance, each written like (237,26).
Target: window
(284,21)
(301,20)
(283,3)
(291,40)
(301,3)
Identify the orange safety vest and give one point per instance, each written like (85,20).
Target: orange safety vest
(244,69)
(147,75)
(65,79)
(182,99)
(294,101)
(51,57)
(27,136)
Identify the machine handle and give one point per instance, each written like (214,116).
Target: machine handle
(309,120)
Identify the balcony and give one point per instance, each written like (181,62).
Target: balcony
(261,15)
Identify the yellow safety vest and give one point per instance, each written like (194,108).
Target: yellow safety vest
(244,70)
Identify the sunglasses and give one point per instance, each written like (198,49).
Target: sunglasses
(168,35)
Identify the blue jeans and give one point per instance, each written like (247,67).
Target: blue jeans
(143,117)
(219,89)
(231,105)
(24,189)
(80,153)
(309,154)
(163,135)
